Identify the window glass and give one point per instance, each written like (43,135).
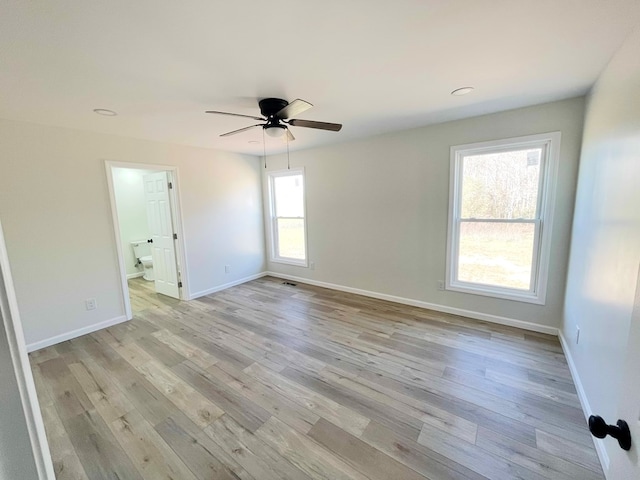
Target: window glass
(291,238)
(501,185)
(289,196)
(499,254)
(500,214)
(288,226)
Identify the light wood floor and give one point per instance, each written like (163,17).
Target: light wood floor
(271,381)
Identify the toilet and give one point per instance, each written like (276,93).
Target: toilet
(142,252)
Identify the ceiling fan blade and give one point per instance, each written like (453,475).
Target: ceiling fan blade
(334,127)
(290,136)
(235,115)
(294,108)
(239,130)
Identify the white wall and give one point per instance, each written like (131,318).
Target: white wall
(377,209)
(605,248)
(54,205)
(131,204)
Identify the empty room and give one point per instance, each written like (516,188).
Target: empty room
(320,240)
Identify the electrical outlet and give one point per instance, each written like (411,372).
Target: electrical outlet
(312,265)
(441,285)
(227,269)
(91,303)
(577,335)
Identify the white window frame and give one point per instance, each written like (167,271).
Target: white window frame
(550,142)
(273,220)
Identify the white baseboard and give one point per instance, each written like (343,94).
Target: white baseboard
(430,306)
(47,342)
(224,286)
(584,401)
(134,275)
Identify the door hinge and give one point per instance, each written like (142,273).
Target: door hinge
(170,185)
(175,236)
(179,284)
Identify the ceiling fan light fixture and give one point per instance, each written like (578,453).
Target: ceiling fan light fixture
(275,130)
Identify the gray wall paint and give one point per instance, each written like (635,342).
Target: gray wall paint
(54,205)
(377,208)
(605,248)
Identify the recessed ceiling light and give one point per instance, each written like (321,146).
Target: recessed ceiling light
(462,91)
(105,112)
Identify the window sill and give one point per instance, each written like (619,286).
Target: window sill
(504,294)
(287,261)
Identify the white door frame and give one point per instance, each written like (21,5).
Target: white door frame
(10,318)
(176,211)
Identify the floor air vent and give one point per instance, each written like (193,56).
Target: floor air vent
(289,283)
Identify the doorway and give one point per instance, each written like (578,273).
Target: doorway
(148,230)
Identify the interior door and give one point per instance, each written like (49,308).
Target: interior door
(626,464)
(163,248)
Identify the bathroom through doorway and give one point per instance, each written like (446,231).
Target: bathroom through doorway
(148,230)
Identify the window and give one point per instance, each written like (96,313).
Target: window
(288,224)
(500,216)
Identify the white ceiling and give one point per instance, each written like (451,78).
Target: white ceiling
(373,65)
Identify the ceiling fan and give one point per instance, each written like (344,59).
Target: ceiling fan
(277,113)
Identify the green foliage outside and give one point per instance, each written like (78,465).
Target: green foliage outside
(501,186)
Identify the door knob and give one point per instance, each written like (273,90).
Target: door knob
(150,240)
(599,428)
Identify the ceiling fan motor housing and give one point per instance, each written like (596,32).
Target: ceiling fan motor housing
(270,106)
(277,115)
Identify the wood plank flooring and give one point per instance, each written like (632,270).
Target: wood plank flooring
(272,381)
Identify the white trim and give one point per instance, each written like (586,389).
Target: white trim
(116,230)
(495,292)
(272,230)
(63,337)
(134,275)
(288,261)
(181,254)
(181,248)
(47,342)
(22,369)
(512,322)
(549,164)
(227,285)
(114,321)
(584,401)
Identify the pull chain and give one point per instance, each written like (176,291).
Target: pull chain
(264,150)
(288,163)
